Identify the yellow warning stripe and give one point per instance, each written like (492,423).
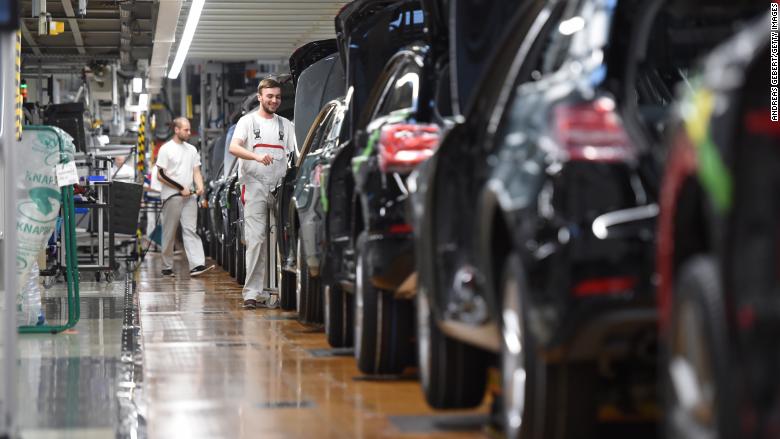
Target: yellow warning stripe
(18,81)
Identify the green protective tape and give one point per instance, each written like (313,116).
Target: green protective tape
(358,161)
(712,172)
(323,195)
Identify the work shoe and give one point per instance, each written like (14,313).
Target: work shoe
(270,302)
(250,304)
(200,269)
(168,273)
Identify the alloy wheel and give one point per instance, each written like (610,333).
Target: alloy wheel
(513,360)
(359,291)
(694,411)
(424,338)
(298,274)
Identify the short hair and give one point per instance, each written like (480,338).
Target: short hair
(268,83)
(179,120)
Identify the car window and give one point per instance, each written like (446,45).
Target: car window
(379,91)
(316,132)
(502,69)
(402,92)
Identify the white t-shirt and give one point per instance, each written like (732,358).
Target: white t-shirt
(262,136)
(178,160)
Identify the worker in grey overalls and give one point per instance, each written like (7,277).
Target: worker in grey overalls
(263,141)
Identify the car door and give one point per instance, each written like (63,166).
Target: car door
(285,193)
(461,167)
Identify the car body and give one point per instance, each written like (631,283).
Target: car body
(547,267)
(718,249)
(319,76)
(394,26)
(303,233)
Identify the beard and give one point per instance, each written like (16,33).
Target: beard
(267,109)
(182,138)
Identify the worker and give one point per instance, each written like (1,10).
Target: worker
(178,169)
(264,142)
(122,171)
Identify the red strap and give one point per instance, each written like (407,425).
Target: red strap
(243,193)
(265,145)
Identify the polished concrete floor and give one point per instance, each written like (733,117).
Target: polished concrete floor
(179,358)
(212,369)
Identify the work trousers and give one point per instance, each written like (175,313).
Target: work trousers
(180,210)
(255,197)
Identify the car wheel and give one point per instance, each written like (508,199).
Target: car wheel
(213,248)
(539,399)
(287,284)
(231,257)
(240,262)
(452,374)
(519,371)
(219,252)
(383,324)
(300,280)
(699,397)
(339,326)
(310,291)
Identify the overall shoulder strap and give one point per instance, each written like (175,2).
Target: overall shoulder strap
(280,126)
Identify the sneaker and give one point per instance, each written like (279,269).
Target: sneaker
(270,302)
(250,304)
(200,269)
(168,273)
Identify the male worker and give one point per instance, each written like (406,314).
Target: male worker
(178,167)
(262,141)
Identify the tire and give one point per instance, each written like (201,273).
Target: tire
(219,253)
(310,289)
(452,374)
(383,324)
(301,282)
(240,261)
(339,324)
(231,256)
(286,285)
(539,400)
(696,357)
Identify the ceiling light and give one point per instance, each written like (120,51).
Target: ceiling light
(186,38)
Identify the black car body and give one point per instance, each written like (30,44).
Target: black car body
(319,82)
(365,49)
(553,176)
(318,76)
(718,249)
(302,231)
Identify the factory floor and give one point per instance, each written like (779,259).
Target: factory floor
(179,358)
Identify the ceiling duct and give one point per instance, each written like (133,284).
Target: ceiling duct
(164,37)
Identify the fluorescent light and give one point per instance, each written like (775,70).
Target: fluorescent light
(186,38)
(138,85)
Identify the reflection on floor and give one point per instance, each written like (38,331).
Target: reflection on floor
(214,370)
(68,382)
(208,369)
